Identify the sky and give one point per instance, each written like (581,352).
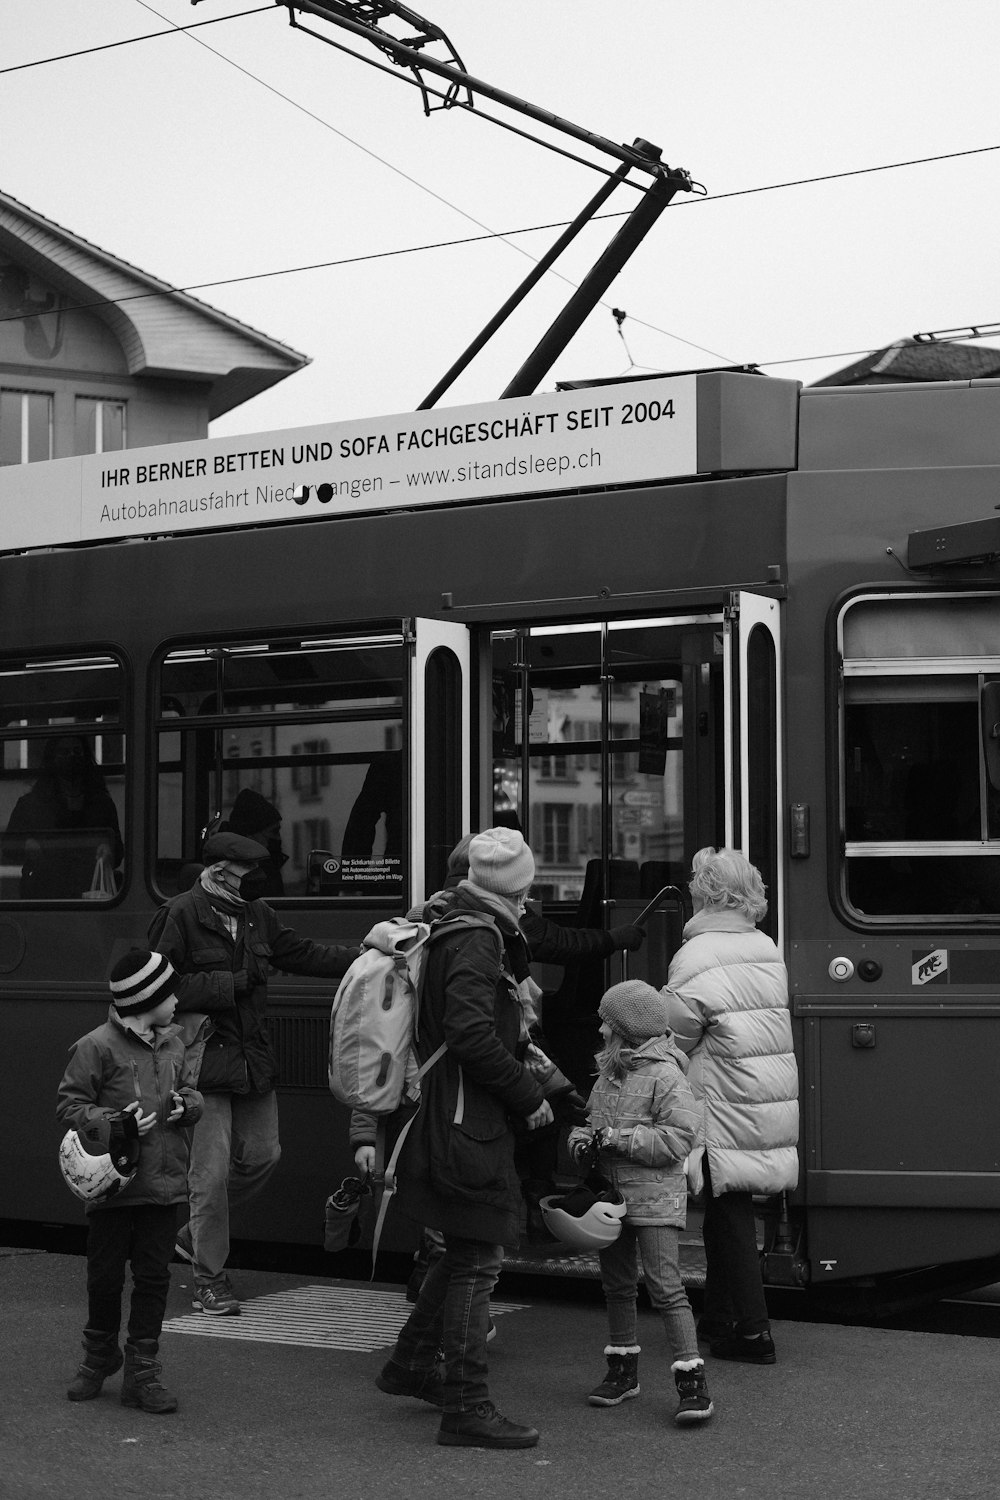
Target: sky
(300,190)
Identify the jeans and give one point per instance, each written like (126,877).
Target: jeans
(234,1150)
(734,1287)
(453,1312)
(144,1236)
(657,1244)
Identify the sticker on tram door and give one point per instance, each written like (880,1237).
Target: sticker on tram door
(930,968)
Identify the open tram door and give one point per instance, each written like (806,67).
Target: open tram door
(754,821)
(620,748)
(439,736)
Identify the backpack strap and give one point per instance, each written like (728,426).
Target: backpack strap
(389,1175)
(439,926)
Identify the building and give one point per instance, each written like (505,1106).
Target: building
(97,355)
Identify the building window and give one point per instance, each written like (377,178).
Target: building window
(25,427)
(556,824)
(100,425)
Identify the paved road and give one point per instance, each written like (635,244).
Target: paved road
(281,1404)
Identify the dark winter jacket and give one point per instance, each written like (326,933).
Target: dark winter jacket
(114,1066)
(222,998)
(456,1172)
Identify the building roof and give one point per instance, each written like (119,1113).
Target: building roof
(919,360)
(163,332)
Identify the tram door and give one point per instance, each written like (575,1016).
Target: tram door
(752,648)
(439,736)
(611,753)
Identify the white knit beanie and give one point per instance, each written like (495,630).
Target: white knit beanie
(500,861)
(635,1010)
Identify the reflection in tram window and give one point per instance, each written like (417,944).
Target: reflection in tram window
(62,786)
(604,717)
(312,727)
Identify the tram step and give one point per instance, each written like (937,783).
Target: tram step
(540,1260)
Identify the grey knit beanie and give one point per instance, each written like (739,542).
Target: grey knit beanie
(635,1010)
(500,861)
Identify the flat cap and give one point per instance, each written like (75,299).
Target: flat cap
(221,846)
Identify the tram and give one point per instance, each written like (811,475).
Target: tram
(639,617)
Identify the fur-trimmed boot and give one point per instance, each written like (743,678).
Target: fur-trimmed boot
(692,1387)
(622,1380)
(101,1358)
(140,1385)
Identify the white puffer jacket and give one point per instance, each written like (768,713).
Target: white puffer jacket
(727,989)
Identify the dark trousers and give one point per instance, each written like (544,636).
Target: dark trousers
(453,1312)
(734,1288)
(143,1235)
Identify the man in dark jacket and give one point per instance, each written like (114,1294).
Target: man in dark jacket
(457,1169)
(222,939)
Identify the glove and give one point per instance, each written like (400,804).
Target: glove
(241,984)
(568,1107)
(616,1141)
(631,938)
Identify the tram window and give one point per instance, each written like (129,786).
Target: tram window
(62,783)
(315,729)
(921,821)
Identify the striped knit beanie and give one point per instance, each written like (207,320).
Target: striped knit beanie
(635,1010)
(141,980)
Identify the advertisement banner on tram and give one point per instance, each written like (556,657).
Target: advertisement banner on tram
(602,436)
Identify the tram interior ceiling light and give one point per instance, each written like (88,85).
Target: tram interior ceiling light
(965,542)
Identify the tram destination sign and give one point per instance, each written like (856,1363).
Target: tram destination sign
(604,435)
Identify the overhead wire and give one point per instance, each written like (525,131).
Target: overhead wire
(503,235)
(127,41)
(690,343)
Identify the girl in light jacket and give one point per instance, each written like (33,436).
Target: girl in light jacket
(727,998)
(646,1121)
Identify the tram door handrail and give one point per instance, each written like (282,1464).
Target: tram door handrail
(647,911)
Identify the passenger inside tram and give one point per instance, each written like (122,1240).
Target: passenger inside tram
(64,832)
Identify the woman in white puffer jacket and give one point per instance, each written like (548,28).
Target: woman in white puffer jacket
(727,993)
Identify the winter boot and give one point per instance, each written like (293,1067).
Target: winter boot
(102,1357)
(140,1386)
(692,1387)
(621,1382)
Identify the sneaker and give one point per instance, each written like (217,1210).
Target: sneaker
(491,1332)
(695,1403)
(483,1427)
(216,1297)
(425,1385)
(748,1350)
(183,1248)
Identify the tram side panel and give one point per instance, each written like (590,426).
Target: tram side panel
(498,562)
(895,978)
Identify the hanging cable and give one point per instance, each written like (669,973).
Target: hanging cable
(41,62)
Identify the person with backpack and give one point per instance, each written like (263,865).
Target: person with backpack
(456,1172)
(222,938)
(536,1152)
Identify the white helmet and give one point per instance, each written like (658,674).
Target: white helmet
(95,1178)
(585,1220)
